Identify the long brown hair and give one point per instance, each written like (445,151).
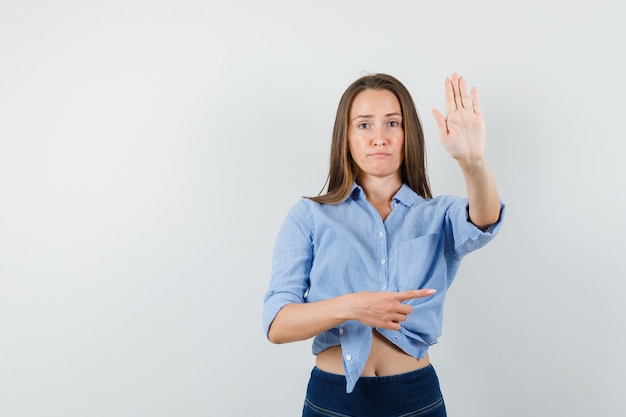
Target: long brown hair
(343,169)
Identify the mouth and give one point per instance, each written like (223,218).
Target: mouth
(379,154)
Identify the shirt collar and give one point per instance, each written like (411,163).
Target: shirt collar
(405,194)
(356,192)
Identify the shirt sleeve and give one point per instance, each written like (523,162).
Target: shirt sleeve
(463,236)
(291,263)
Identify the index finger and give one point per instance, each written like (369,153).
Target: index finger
(451,104)
(411,294)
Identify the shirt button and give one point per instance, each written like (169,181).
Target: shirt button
(381,234)
(383,288)
(340,331)
(348,357)
(382,261)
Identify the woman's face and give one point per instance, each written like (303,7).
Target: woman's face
(375,133)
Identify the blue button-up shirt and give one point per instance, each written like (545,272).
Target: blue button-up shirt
(327,250)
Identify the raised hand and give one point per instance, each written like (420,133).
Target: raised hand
(462,129)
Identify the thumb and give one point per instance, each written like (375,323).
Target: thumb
(441,122)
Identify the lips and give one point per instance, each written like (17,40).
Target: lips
(379,154)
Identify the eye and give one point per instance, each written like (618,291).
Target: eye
(393,123)
(363,125)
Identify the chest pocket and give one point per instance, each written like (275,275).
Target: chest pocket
(419,263)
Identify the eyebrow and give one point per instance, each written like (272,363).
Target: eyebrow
(367,116)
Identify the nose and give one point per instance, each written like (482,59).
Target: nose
(379,137)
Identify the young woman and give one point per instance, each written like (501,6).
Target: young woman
(364,268)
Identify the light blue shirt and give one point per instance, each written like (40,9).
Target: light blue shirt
(327,250)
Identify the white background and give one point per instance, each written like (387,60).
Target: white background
(149,151)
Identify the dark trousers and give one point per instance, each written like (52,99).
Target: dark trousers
(412,394)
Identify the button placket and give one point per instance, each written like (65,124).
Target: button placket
(382,244)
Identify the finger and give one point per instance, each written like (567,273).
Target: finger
(450,103)
(455,91)
(441,122)
(393,325)
(402,310)
(402,317)
(410,294)
(475,100)
(397,317)
(464,94)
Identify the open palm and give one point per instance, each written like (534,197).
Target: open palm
(462,130)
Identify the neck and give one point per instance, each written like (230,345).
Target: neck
(380,190)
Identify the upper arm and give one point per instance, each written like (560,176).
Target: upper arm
(291,264)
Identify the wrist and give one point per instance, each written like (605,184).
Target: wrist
(472,166)
(343,307)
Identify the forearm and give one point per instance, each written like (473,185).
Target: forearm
(482,193)
(298,321)
(385,310)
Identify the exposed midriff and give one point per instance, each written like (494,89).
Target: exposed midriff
(385,359)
